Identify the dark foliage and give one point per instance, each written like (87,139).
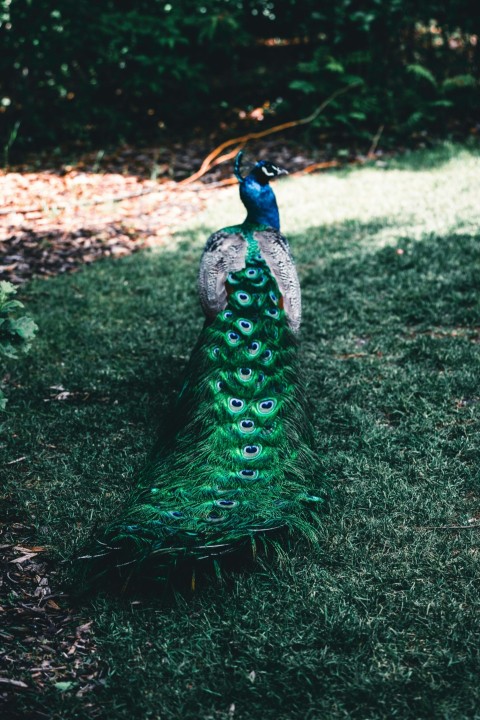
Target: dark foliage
(118,69)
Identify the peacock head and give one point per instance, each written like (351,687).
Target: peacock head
(263,171)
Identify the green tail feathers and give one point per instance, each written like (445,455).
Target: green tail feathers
(241,464)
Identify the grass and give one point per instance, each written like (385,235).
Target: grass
(379,621)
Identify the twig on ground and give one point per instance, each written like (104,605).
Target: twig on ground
(223,183)
(213,159)
(375,141)
(15,683)
(473,526)
(317,166)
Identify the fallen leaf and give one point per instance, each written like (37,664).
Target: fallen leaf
(15,683)
(22,558)
(52,604)
(35,549)
(63,686)
(84,628)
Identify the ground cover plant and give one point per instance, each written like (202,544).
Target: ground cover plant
(379,621)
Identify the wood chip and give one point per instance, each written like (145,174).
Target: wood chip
(15,683)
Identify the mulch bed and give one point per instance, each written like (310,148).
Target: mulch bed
(52,223)
(44,643)
(56,216)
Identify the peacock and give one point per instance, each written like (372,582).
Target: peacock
(240,470)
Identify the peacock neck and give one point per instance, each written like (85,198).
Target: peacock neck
(260,203)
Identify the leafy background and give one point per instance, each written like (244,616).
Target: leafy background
(122,70)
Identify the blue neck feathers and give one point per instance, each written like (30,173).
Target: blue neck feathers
(259,200)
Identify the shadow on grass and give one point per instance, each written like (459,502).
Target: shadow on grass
(384,611)
(114,340)
(435,157)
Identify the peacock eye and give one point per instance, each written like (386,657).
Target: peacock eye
(260,280)
(236,405)
(267,355)
(225,503)
(215,351)
(260,378)
(233,337)
(266,406)
(232,278)
(273,312)
(251,273)
(227,314)
(250,474)
(273,297)
(176,514)
(254,347)
(247,426)
(243,298)
(245,374)
(245,326)
(220,385)
(251,451)
(215,517)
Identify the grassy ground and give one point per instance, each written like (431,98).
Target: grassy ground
(381,620)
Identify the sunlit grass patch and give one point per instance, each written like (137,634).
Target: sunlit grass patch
(428,191)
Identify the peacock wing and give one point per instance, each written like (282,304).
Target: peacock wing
(276,252)
(224,253)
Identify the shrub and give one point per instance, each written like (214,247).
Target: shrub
(16,330)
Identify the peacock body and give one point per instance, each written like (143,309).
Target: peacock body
(241,463)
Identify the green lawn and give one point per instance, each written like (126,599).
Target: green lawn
(381,620)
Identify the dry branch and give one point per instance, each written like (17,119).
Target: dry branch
(317,166)
(213,158)
(375,141)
